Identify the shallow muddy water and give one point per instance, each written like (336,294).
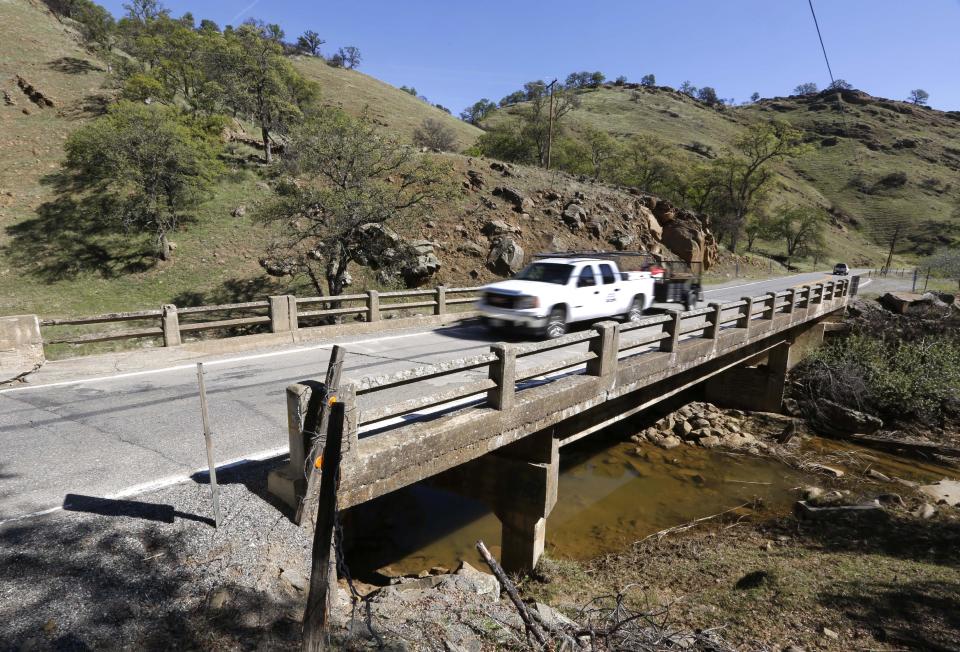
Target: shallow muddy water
(609,496)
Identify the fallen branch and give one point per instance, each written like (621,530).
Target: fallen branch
(686,526)
(533,629)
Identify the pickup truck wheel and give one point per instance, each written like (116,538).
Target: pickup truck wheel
(690,300)
(635,313)
(556,324)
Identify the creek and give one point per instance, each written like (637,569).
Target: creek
(611,494)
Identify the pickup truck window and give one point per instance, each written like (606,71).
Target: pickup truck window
(546,273)
(587,277)
(606,271)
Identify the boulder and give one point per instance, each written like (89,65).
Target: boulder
(421,266)
(240,210)
(650,221)
(574,215)
(497,227)
(669,442)
(512,195)
(904,302)
(471,249)
(505,257)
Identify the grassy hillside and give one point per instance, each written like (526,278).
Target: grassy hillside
(52,258)
(857,142)
(394,110)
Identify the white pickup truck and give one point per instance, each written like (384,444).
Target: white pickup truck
(551,293)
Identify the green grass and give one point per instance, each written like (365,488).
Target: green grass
(393,109)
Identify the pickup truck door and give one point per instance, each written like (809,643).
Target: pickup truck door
(613,292)
(585,295)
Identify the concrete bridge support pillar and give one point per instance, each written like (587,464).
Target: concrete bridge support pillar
(756,388)
(527,492)
(519,484)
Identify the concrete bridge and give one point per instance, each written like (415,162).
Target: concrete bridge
(491,425)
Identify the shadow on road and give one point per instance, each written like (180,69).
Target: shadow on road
(129,508)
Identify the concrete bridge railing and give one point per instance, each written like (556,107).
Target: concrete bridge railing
(512,402)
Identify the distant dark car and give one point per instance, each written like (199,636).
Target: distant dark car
(841,269)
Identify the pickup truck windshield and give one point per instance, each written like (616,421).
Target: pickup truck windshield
(556,273)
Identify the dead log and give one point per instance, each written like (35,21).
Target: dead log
(532,627)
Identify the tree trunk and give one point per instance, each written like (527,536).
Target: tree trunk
(164,249)
(268,155)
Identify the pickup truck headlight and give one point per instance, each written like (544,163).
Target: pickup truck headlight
(525,303)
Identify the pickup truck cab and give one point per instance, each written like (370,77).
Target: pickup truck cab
(551,293)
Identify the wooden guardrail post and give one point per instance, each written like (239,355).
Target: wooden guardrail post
(744,321)
(323,584)
(770,305)
(373,305)
(170,323)
(440,296)
(503,371)
(713,330)
(671,328)
(791,301)
(605,346)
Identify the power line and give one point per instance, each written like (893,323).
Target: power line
(822,46)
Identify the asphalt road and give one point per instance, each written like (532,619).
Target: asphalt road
(118,435)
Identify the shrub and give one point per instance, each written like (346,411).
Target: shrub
(893,180)
(895,380)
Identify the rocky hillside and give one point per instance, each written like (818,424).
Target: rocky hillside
(873,162)
(55,260)
(509,212)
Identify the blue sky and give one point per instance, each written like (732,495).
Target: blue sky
(457,52)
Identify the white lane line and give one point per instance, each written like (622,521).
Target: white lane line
(243,358)
(766,280)
(163,483)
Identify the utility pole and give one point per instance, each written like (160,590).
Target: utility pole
(893,243)
(550,123)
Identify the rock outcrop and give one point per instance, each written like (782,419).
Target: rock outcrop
(683,232)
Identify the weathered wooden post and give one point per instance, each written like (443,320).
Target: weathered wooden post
(317,438)
(211,465)
(503,371)
(316,618)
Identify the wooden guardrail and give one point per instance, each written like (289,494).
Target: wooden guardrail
(605,344)
(280,313)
